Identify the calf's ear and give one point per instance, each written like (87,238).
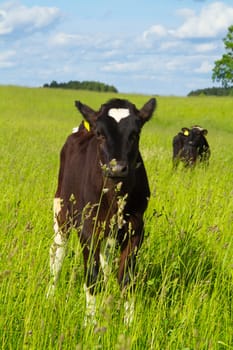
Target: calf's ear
(88,113)
(147,110)
(185,131)
(204,132)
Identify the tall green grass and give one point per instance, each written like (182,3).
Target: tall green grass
(184,286)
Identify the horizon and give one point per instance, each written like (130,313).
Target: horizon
(166,49)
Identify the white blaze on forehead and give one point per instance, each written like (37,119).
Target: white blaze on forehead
(118,113)
(197,127)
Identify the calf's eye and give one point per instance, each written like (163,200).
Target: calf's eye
(133,137)
(100,135)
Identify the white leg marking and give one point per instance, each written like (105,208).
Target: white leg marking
(105,257)
(90,307)
(129,311)
(57,250)
(56,209)
(104,266)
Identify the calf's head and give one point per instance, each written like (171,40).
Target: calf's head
(197,136)
(117,126)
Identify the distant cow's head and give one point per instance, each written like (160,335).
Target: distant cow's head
(196,136)
(117,127)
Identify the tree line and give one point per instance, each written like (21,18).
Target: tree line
(82,85)
(213,91)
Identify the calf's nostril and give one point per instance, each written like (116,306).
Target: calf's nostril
(119,170)
(124,169)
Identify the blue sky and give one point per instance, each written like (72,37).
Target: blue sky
(165,47)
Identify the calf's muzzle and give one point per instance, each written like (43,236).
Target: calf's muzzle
(117,169)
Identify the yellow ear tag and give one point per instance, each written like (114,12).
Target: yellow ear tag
(87,125)
(186,133)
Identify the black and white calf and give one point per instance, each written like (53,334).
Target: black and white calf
(190,146)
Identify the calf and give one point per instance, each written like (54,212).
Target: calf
(102,190)
(190,146)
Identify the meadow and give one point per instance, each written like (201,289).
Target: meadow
(184,286)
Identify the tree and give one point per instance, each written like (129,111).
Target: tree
(82,85)
(223,70)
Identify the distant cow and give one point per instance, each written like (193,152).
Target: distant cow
(102,190)
(190,146)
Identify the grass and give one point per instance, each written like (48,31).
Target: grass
(185,266)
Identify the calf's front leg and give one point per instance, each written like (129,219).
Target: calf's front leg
(126,274)
(57,250)
(128,260)
(91,257)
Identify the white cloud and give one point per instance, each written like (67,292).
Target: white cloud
(63,39)
(94,44)
(205,67)
(205,47)
(213,20)
(171,44)
(186,12)
(175,64)
(155,32)
(5,59)
(15,17)
(122,67)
